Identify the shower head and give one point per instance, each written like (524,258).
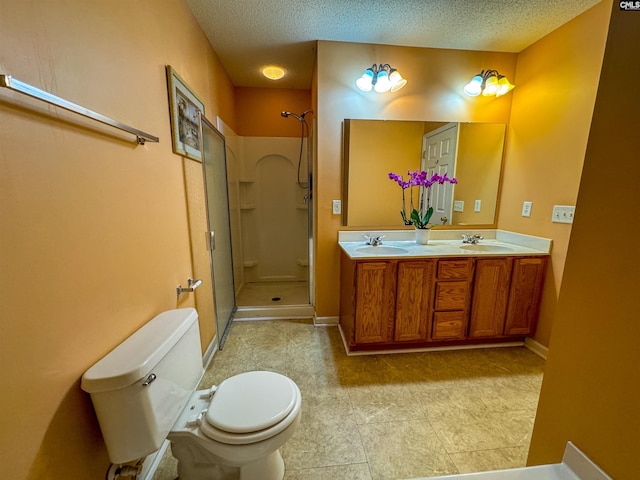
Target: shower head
(300,118)
(287,114)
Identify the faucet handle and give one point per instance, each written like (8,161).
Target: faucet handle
(374,239)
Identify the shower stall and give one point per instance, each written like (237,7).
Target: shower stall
(270,199)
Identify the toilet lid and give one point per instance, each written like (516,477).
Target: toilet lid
(251,401)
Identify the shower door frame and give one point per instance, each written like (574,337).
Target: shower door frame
(221,330)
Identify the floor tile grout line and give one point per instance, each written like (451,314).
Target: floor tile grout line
(364,450)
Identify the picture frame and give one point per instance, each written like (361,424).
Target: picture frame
(184,106)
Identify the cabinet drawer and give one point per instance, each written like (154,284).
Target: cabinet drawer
(448,326)
(451,295)
(452,269)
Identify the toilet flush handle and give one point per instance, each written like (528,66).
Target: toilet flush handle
(150,378)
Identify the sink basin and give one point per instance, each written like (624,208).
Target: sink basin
(485,247)
(381,250)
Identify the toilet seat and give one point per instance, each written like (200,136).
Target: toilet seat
(251,407)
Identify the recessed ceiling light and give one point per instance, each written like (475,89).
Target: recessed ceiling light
(272,72)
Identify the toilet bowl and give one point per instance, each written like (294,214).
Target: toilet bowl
(144,392)
(239,433)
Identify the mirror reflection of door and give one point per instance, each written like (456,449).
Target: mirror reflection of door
(439,150)
(214,168)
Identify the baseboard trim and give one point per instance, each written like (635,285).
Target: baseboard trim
(536,347)
(423,349)
(325,321)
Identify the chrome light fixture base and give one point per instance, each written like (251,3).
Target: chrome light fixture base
(488,82)
(381,78)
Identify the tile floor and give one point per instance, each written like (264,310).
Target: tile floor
(395,416)
(265,294)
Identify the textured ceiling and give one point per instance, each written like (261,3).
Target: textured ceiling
(248,34)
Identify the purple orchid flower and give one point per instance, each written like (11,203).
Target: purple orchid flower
(419,178)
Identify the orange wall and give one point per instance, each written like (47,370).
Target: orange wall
(375,149)
(556,80)
(479,158)
(258,111)
(433,92)
(591,385)
(94,228)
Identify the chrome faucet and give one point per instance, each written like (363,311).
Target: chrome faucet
(374,240)
(470,238)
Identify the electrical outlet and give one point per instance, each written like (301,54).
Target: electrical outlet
(526,209)
(336,206)
(563,213)
(458,206)
(476,207)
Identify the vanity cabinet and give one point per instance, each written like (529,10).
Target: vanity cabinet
(395,304)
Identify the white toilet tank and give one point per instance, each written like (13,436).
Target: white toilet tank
(140,387)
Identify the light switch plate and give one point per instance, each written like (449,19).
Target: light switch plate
(458,206)
(526,209)
(336,206)
(476,207)
(563,213)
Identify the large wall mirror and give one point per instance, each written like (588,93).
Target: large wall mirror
(373,148)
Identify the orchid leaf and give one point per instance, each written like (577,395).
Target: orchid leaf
(427,216)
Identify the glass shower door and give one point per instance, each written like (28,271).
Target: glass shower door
(214,166)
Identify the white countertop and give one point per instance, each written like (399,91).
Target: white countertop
(557,471)
(442,243)
(575,466)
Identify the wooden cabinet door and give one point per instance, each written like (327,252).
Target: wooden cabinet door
(413,300)
(524,296)
(374,302)
(490,294)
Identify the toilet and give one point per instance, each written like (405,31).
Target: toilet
(144,391)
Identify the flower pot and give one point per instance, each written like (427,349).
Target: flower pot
(422,235)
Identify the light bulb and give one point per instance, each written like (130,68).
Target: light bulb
(365,82)
(273,72)
(383,84)
(474,87)
(504,86)
(490,86)
(397,82)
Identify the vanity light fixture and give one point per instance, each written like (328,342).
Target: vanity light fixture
(381,78)
(488,82)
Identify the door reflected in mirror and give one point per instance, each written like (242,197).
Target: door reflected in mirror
(373,148)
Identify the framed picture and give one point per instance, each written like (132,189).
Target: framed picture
(184,106)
